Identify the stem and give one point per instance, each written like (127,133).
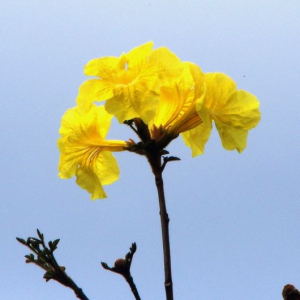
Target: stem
(154,154)
(164,218)
(78,291)
(64,278)
(68,281)
(134,290)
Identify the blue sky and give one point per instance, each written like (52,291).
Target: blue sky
(235,226)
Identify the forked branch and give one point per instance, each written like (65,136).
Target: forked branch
(122,267)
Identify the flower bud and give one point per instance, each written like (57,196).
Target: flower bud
(121,264)
(289,292)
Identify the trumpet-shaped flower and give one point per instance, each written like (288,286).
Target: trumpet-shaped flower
(234,112)
(85,153)
(176,112)
(129,83)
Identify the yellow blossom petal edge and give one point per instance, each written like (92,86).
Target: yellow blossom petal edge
(233,111)
(85,153)
(93,90)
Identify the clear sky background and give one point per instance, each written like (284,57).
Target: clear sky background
(235,218)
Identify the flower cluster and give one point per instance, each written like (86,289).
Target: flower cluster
(168,96)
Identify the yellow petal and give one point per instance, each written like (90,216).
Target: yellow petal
(105,67)
(232,138)
(200,84)
(93,90)
(219,87)
(234,112)
(107,168)
(197,137)
(165,65)
(105,171)
(241,110)
(138,56)
(132,101)
(88,180)
(67,165)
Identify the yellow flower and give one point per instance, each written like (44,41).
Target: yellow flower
(176,112)
(85,153)
(234,112)
(129,83)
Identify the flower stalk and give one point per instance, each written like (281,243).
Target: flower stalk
(164,219)
(154,155)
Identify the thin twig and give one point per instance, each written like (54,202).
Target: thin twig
(133,288)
